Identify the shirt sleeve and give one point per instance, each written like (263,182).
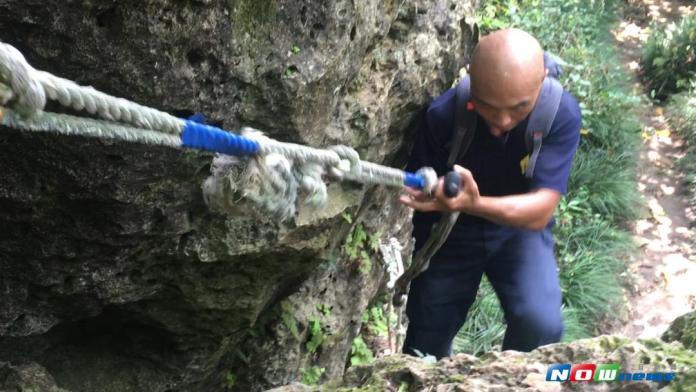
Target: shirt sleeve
(558,148)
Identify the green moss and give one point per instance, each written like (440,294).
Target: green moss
(250,14)
(683,329)
(456,378)
(611,343)
(675,352)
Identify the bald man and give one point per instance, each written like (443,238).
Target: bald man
(504,229)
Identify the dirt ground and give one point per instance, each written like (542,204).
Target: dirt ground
(664,270)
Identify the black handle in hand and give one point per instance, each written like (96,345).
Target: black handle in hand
(452,184)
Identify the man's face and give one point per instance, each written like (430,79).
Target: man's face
(503,109)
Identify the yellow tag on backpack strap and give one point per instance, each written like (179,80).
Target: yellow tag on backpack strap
(524,164)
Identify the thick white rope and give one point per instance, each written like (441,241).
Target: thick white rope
(80,126)
(32,87)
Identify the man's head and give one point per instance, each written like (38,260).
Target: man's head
(507,71)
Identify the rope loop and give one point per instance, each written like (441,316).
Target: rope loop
(349,161)
(16,72)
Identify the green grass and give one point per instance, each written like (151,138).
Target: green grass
(484,329)
(681,112)
(602,188)
(669,57)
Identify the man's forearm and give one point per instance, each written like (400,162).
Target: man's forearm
(530,210)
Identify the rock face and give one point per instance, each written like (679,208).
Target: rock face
(515,371)
(27,377)
(683,330)
(114,274)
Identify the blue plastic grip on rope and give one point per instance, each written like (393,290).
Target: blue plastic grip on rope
(205,137)
(414,180)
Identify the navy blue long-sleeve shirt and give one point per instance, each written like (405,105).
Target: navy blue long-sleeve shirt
(496,164)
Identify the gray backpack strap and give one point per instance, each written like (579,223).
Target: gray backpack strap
(464,122)
(541,119)
(464,130)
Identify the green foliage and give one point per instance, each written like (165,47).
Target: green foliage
(590,266)
(681,111)
(316,335)
(230,380)
(347,217)
(376,321)
(495,14)
(669,57)
(360,353)
(403,387)
(312,375)
(357,246)
(602,190)
(574,329)
(290,72)
(324,309)
(484,328)
(288,317)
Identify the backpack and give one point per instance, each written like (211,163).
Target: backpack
(465,119)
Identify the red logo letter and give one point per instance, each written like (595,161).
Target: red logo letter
(584,372)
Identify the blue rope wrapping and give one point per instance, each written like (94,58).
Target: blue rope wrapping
(205,137)
(414,180)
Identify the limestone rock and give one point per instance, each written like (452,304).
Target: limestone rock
(29,377)
(115,276)
(516,371)
(683,329)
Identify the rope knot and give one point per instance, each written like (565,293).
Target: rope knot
(16,72)
(349,161)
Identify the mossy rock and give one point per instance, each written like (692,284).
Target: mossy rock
(683,329)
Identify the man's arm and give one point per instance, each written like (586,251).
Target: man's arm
(531,210)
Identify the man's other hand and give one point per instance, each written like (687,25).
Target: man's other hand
(465,200)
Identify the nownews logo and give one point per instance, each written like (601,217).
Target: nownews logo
(601,373)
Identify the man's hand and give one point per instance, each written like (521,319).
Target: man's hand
(465,201)
(532,210)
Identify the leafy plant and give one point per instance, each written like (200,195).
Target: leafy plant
(312,375)
(289,319)
(324,309)
(484,329)
(357,246)
(681,112)
(230,380)
(669,57)
(376,321)
(360,353)
(316,335)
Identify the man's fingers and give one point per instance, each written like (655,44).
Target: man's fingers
(412,191)
(416,194)
(465,175)
(419,205)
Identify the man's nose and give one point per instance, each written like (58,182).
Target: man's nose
(503,120)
